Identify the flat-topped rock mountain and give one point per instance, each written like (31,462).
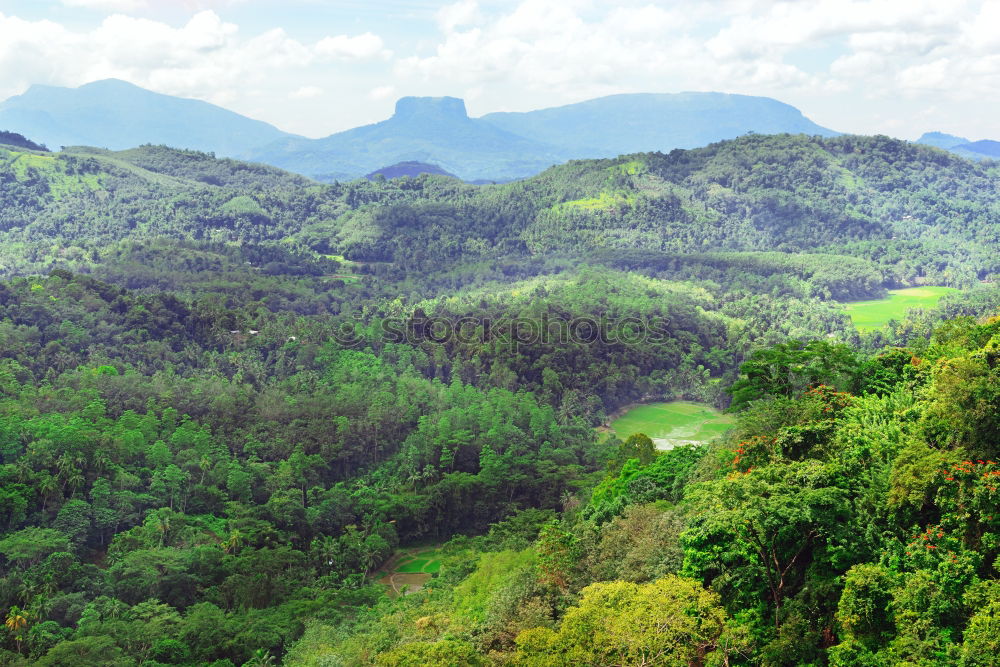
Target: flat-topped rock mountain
(505,146)
(430,108)
(496,147)
(435,130)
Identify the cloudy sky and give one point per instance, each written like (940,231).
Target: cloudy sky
(899,67)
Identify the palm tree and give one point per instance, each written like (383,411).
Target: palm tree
(23,469)
(162,526)
(47,486)
(101,461)
(261,658)
(75,480)
(204,464)
(233,543)
(115,608)
(70,467)
(17,621)
(326,550)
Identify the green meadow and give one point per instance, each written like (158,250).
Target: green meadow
(876,313)
(672,424)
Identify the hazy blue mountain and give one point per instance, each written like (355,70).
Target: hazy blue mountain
(117,115)
(434,130)
(611,126)
(972,150)
(504,146)
(498,147)
(410,169)
(941,140)
(984,148)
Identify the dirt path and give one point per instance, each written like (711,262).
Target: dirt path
(405,583)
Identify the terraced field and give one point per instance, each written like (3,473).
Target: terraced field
(409,570)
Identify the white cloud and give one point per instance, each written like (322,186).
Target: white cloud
(307,92)
(381,93)
(458,15)
(788,25)
(855,65)
(108,5)
(360,47)
(206,57)
(570,51)
(831,54)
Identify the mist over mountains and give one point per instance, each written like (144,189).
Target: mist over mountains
(116,115)
(436,131)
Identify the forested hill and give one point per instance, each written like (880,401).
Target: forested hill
(230,396)
(917,214)
(20,141)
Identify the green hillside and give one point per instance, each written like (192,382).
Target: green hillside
(247,418)
(910,211)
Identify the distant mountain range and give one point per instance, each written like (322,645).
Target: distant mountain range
(436,131)
(118,115)
(619,124)
(505,146)
(973,150)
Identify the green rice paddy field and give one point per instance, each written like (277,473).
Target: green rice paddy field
(408,570)
(673,424)
(876,313)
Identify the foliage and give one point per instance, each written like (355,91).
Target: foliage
(668,621)
(224,405)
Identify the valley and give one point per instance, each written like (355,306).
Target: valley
(247,417)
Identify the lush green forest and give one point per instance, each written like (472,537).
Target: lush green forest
(229,395)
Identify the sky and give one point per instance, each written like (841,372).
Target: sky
(314,67)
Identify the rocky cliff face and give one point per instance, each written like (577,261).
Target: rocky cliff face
(438,108)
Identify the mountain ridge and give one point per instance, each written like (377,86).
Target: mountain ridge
(497,147)
(117,115)
(982,149)
(435,130)
(698,119)
(423,129)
